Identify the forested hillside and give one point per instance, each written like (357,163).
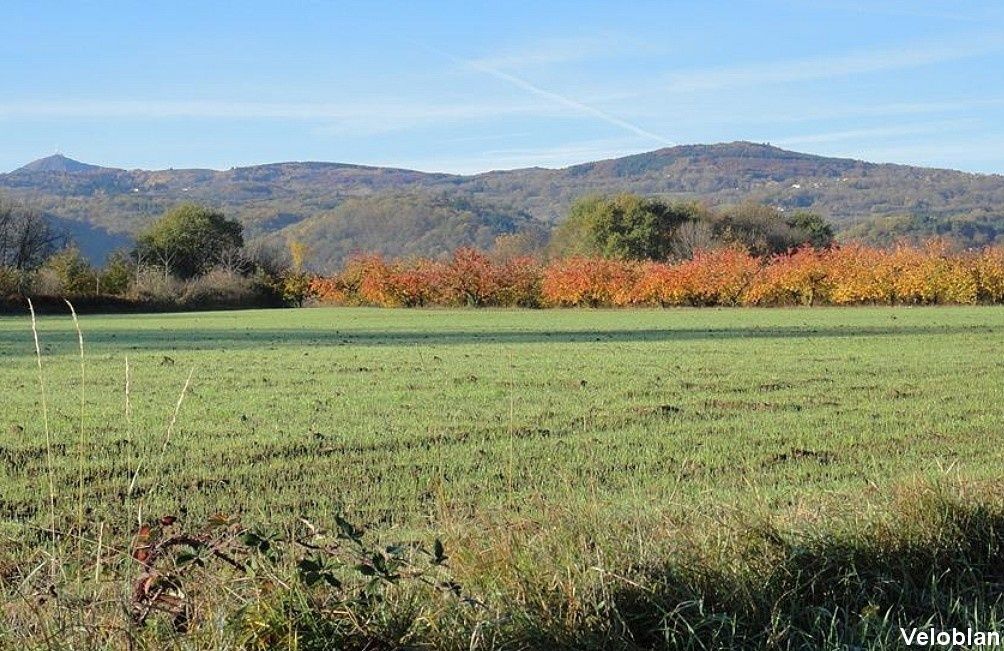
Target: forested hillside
(404,225)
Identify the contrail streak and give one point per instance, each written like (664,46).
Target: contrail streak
(555,97)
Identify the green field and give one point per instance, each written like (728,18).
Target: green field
(465,423)
(370,411)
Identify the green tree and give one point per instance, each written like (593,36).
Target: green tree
(625,226)
(765,230)
(189,240)
(812,228)
(73,272)
(294,285)
(117,273)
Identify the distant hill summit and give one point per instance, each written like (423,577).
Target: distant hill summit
(344,208)
(57,163)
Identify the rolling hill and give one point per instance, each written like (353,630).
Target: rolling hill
(332,204)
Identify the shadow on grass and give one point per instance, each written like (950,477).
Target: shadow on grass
(940,566)
(13,342)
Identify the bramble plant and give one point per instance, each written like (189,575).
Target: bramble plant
(342,569)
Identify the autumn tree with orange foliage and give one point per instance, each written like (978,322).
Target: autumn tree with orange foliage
(849,275)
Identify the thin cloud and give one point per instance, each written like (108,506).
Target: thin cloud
(558,156)
(983,154)
(328,119)
(405,111)
(557,51)
(909,8)
(880,110)
(569,153)
(876,132)
(829,67)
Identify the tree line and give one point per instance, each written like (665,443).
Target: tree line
(193,256)
(610,250)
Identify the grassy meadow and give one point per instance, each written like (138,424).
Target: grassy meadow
(560,455)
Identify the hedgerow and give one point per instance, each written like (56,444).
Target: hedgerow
(846,275)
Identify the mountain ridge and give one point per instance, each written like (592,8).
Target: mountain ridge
(272,198)
(44,163)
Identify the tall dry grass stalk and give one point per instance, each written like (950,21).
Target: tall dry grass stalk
(177,409)
(80,438)
(167,438)
(128,404)
(512,425)
(48,433)
(97,558)
(128,420)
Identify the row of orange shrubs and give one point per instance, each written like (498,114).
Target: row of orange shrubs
(847,275)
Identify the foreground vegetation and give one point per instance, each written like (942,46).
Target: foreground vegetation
(682,479)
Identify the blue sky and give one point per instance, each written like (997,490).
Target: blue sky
(471,86)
